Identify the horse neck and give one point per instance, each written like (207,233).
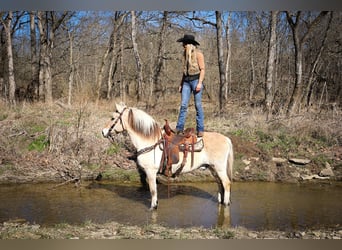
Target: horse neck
(139,141)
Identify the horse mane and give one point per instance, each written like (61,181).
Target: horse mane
(143,124)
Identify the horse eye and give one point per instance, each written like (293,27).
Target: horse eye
(112,119)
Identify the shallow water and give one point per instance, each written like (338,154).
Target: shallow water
(255,205)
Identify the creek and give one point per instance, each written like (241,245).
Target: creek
(255,205)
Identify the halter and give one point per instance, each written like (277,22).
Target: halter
(142,151)
(116,121)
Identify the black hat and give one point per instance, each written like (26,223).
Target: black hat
(188,39)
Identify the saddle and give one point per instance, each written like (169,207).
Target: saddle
(174,144)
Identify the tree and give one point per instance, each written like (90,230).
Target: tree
(10,65)
(219,39)
(306,96)
(110,50)
(299,38)
(48,24)
(137,56)
(33,87)
(159,59)
(271,61)
(228,74)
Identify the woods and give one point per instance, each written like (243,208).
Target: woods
(286,62)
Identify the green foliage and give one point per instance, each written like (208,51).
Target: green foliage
(113,149)
(39,144)
(37,128)
(281,141)
(224,234)
(321,159)
(3,116)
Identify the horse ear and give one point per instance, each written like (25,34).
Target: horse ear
(120,106)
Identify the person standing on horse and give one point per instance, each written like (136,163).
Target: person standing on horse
(192,82)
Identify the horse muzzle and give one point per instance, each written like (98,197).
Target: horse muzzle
(105,132)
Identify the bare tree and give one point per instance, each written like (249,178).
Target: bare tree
(137,56)
(299,40)
(309,88)
(48,23)
(271,61)
(219,32)
(159,59)
(10,65)
(33,87)
(110,50)
(228,74)
(71,65)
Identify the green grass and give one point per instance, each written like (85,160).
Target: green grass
(39,144)
(113,149)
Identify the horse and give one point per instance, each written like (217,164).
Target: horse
(147,137)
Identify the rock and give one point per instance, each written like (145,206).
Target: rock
(295,175)
(246,162)
(299,161)
(279,160)
(327,171)
(315,176)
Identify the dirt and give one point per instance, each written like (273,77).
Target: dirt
(113,230)
(62,145)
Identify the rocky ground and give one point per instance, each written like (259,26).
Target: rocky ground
(113,230)
(61,144)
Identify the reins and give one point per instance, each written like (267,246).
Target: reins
(150,148)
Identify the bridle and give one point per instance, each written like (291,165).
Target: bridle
(119,118)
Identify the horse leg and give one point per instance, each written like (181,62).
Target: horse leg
(223,182)
(225,187)
(151,176)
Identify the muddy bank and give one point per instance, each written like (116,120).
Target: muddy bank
(40,143)
(113,230)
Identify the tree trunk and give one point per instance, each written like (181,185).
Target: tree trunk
(271,62)
(298,45)
(220,59)
(122,72)
(137,57)
(307,94)
(33,87)
(47,28)
(71,65)
(10,66)
(157,86)
(109,50)
(229,53)
(252,82)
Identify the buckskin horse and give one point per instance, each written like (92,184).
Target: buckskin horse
(147,137)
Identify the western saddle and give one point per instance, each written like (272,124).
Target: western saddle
(174,144)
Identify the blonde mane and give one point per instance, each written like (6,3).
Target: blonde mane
(143,124)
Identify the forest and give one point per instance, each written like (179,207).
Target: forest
(283,61)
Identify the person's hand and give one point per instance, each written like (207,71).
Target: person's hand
(180,89)
(198,87)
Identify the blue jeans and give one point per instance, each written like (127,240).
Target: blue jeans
(188,88)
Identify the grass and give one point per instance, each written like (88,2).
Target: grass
(115,148)
(39,144)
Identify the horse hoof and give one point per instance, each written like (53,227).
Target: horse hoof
(154,207)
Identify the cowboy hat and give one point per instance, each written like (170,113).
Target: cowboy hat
(188,39)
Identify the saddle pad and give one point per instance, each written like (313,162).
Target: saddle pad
(198,146)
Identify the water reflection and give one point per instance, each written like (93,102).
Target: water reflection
(254,205)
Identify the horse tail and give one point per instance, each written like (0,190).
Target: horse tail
(230,160)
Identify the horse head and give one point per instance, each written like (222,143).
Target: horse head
(116,124)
